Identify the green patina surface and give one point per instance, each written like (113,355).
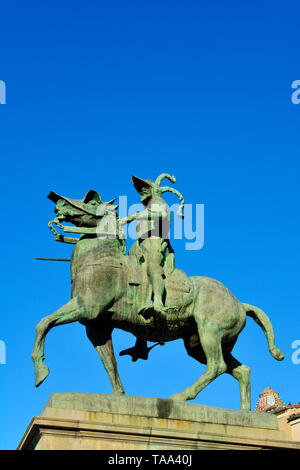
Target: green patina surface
(143,293)
(160,408)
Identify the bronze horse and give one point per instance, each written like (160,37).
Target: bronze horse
(109,288)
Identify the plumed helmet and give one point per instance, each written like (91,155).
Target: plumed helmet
(147,187)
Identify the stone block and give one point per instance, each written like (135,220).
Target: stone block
(88,421)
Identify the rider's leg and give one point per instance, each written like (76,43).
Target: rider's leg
(139,351)
(155,274)
(154,254)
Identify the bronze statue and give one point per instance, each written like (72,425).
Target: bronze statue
(153,246)
(111,289)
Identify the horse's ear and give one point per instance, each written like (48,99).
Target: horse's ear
(140,184)
(111,207)
(54,197)
(111,201)
(92,195)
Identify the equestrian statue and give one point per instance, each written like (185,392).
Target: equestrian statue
(143,293)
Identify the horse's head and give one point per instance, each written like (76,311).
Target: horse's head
(84,212)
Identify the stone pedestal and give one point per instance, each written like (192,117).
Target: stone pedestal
(87,421)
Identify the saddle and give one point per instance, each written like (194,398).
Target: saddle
(179,287)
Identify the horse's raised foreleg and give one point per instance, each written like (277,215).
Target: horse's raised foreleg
(211,342)
(69,313)
(100,335)
(242,374)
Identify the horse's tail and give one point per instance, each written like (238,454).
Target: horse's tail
(263,321)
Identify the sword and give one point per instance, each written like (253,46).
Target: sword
(53,259)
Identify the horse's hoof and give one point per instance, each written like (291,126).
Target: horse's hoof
(178,397)
(41,374)
(277,354)
(119,393)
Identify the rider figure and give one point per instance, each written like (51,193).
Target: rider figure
(153,225)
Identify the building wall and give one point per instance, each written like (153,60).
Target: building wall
(295,429)
(291,428)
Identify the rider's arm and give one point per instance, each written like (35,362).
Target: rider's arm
(148,214)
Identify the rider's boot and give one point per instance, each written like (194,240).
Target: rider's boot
(140,350)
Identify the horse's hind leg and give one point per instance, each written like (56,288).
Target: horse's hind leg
(100,336)
(68,313)
(242,374)
(211,342)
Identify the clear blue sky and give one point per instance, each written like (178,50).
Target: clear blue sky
(99,90)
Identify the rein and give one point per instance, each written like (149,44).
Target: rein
(61,238)
(80,230)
